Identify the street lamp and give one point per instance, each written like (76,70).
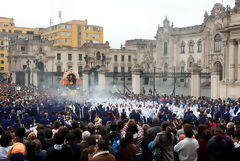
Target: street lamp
(28,68)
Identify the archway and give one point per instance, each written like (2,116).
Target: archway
(218,68)
(40,66)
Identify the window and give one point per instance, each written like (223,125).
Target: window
(2,68)
(165,48)
(18,31)
(115,58)
(146,80)
(191,45)
(122,57)
(129,58)
(190,64)
(69,67)
(80,57)
(10,31)
(58,56)
(183,47)
(29,32)
(122,69)
(98,56)
(217,43)
(95,28)
(181,80)
(1,42)
(129,69)
(23,48)
(182,69)
(199,46)
(2,55)
(87,35)
(115,69)
(3,30)
(59,69)
(87,28)
(95,35)
(2,61)
(79,69)
(69,56)
(24,67)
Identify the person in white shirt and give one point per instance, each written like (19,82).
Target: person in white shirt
(187,148)
(5,145)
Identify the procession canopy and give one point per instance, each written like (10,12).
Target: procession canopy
(70,77)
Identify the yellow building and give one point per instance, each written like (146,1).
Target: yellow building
(8,30)
(73,33)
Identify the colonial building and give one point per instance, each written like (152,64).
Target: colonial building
(39,63)
(70,34)
(212,47)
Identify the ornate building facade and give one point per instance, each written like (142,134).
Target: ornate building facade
(212,46)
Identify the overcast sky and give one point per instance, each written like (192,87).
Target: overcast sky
(122,19)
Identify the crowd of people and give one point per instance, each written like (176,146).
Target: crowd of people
(47,124)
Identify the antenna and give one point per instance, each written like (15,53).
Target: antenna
(60,16)
(51,22)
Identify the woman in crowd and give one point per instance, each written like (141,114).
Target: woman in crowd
(164,140)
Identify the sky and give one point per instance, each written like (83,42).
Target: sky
(122,19)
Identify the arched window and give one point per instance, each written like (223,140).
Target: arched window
(190,64)
(217,43)
(165,48)
(191,45)
(165,68)
(199,44)
(183,47)
(98,55)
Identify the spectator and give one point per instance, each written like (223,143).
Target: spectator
(60,151)
(187,148)
(164,139)
(5,145)
(102,153)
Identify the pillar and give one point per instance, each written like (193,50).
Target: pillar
(13,77)
(238,69)
(215,83)
(26,78)
(231,61)
(195,80)
(85,79)
(35,77)
(136,81)
(102,79)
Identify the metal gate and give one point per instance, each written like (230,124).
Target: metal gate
(20,78)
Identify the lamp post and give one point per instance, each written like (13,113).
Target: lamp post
(28,68)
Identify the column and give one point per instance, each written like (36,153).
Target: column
(231,61)
(136,81)
(85,79)
(238,69)
(35,77)
(26,78)
(13,77)
(195,81)
(215,83)
(102,79)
